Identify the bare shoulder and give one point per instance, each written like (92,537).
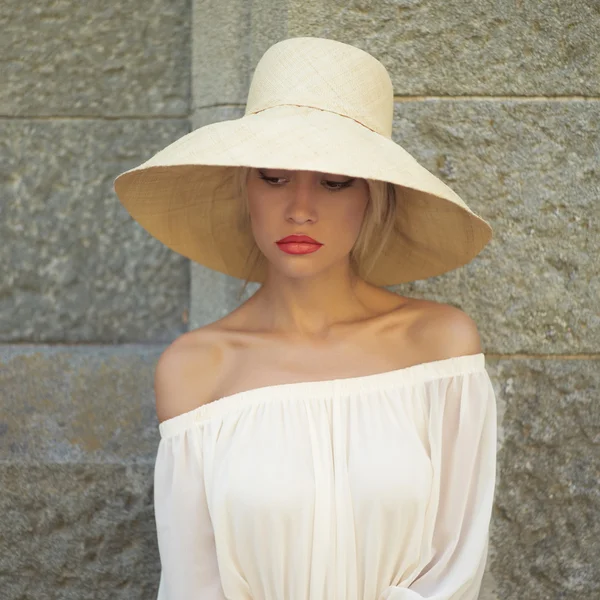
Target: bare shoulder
(444,330)
(187,372)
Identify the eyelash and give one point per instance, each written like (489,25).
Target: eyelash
(340,185)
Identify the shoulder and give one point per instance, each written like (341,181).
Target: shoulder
(444,330)
(187,372)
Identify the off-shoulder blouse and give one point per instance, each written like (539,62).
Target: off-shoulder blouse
(377,487)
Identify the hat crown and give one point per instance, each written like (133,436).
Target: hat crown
(327,75)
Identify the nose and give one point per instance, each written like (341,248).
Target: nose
(302,205)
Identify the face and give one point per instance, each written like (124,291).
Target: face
(329,208)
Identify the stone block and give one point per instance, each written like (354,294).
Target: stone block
(457,48)
(83,404)
(78,532)
(530,169)
(95,58)
(213,114)
(545,528)
(220,60)
(76,266)
(430,48)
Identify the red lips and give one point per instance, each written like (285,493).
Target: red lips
(298,238)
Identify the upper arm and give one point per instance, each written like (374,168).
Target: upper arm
(186,375)
(448,331)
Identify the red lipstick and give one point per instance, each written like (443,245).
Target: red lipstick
(298,244)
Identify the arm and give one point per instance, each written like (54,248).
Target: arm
(186,542)
(462,434)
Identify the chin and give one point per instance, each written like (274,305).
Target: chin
(303,266)
(299,273)
(302,271)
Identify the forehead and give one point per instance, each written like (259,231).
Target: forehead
(291,172)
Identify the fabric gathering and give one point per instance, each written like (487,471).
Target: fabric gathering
(377,487)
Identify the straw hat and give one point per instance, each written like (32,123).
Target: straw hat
(315,105)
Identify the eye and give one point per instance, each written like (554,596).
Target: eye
(333,186)
(270,180)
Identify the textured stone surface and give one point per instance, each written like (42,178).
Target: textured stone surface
(531,170)
(206,116)
(84,404)
(75,265)
(77,532)
(459,48)
(429,47)
(95,58)
(221,64)
(545,531)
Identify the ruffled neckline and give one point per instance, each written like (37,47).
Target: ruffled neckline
(406,376)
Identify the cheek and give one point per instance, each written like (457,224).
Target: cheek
(259,211)
(256,206)
(264,220)
(353,214)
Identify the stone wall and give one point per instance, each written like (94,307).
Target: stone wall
(87,298)
(499,99)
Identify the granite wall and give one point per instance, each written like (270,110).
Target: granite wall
(499,99)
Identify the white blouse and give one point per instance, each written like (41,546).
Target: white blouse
(378,487)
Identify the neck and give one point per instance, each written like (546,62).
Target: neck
(307,308)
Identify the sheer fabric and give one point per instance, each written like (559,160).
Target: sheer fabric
(377,487)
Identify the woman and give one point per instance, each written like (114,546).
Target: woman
(328,439)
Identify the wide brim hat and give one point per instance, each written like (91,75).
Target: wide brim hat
(313,105)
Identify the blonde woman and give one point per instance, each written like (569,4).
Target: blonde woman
(328,439)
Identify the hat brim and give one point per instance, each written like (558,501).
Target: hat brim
(184,195)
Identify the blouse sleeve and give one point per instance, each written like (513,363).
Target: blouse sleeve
(184,530)
(462,436)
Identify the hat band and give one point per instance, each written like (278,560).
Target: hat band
(254,112)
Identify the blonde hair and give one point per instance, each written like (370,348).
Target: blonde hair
(379,223)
